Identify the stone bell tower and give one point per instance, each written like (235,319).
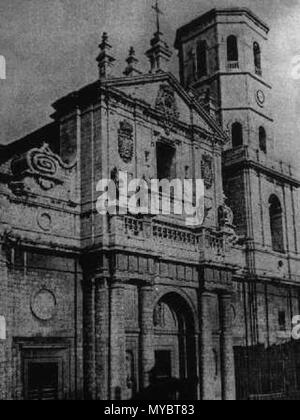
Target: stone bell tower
(222,57)
(222,61)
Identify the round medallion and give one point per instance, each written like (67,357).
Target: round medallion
(260,98)
(43,305)
(44,221)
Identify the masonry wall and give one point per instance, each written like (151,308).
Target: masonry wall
(4,344)
(30,273)
(256,313)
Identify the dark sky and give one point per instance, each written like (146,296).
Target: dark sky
(50,48)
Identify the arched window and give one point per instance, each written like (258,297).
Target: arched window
(232,48)
(276,222)
(257,58)
(202,59)
(262,139)
(237,135)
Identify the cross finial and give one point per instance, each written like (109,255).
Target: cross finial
(158,12)
(159,54)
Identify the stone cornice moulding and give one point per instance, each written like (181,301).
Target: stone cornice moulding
(250,164)
(109,87)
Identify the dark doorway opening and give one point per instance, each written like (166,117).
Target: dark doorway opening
(175,371)
(43,369)
(43,381)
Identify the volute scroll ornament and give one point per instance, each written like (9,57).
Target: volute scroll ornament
(43,165)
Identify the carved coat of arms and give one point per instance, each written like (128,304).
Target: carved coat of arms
(207,171)
(125,141)
(166,103)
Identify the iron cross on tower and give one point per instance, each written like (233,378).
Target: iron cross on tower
(158,12)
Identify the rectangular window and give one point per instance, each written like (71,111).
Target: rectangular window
(166,161)
(202,59)
(282,320)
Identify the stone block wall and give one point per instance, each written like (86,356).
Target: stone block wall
(44,310)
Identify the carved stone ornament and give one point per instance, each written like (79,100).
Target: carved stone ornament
(226,216)
(260,98)
(43,305)
(166,103)
(10,239)
(159,316)
(226,219)
(44,221)
(41,164)
(207,171)
(125,141)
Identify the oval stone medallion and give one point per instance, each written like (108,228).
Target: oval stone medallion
(44,305)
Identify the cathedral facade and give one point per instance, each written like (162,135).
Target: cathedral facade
(122,307)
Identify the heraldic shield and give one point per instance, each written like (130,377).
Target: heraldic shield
(125,141)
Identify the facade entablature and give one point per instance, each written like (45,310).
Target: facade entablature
(246,157)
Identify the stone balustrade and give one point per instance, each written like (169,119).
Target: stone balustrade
(209,243)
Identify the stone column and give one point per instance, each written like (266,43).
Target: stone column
(227,354)
(89,339)
(206,347)
(101,337)
(3,312)
(147,334)
(6,373)
(117,341)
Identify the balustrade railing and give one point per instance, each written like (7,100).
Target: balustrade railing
(206,240)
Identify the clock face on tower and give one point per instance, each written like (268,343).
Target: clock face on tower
(260,98)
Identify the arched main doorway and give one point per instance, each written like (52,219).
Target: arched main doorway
(175,348)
